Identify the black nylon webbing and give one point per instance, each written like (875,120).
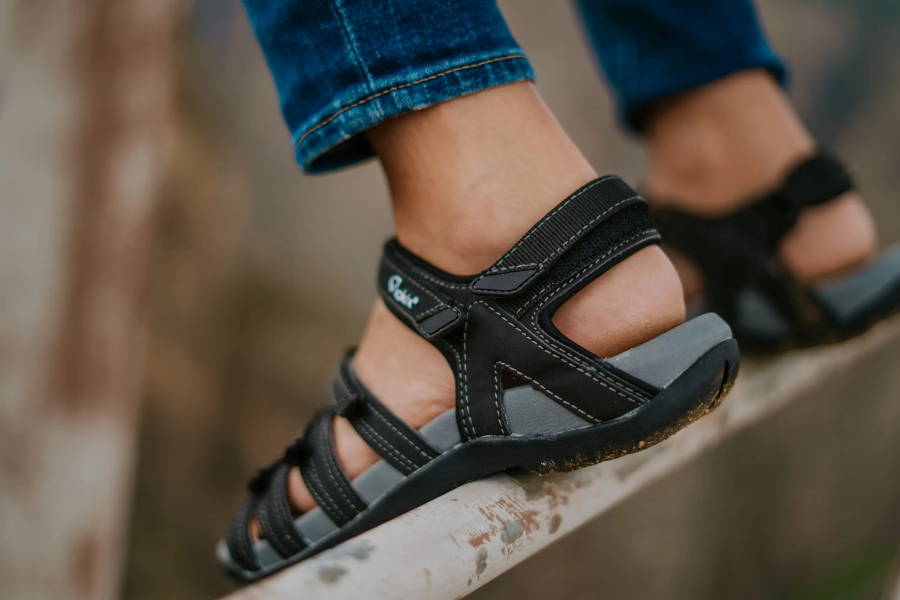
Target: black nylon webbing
(551,237)
(240,546)
(323,475)
(397,443)
(276,519)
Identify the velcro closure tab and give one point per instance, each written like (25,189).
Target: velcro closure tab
(504,282)
(412,298)
(553,235)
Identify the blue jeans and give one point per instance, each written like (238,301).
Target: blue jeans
(343,66)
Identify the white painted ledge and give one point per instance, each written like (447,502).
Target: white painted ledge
(460,541)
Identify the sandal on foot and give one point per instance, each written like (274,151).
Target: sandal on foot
(526,396)
(747,283)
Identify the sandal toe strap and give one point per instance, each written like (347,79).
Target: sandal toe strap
(276,519)
(393,440)
(240,545)
(323,475)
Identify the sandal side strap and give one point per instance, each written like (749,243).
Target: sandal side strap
(323,475)
(393,440)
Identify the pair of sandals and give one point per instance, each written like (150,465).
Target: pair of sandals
(528,397)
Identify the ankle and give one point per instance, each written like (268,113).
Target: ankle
(408,374)
(716,147)
(470,176)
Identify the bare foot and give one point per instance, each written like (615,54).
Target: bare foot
(468,178)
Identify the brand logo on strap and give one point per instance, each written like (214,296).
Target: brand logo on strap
(399,294)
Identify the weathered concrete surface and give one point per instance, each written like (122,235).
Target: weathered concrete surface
(457,543)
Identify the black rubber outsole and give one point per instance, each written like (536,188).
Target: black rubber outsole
(697,391)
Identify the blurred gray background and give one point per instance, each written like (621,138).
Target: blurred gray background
(261,276)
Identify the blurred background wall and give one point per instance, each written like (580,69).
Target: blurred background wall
(259,278)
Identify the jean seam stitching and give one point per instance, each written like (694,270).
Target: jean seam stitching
(354,47)
(399,87)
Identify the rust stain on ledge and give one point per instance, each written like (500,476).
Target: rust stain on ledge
(480,538)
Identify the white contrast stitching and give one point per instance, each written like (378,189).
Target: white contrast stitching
(467,412)
(447,284)
(563,245)
(544,389)
(399,432)
(503,427)
(330,468)
(549,215)
(546,338)
(539,295)
(389,451)
(461,385)
(400,87)
(556,355)
(282,510)
(324,493)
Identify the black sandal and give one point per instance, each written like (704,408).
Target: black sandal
(526,396)
(747,283)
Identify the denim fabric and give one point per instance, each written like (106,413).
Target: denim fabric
(342,66)
(650,49)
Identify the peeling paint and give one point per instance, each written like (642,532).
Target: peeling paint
(555,522)
(331,573)
(480,538)
(481,561)
(512,530)
(530,483)
(359,550)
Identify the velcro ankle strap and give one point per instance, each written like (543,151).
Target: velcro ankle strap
(814,181)
(553,235)
(410,295)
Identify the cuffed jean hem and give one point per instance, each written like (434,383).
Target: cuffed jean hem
(633,108)
(336,139)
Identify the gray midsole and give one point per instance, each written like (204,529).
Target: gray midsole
(661,360)
(529,412)
(846,297)
(853,293)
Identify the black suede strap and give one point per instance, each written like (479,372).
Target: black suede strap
(398,444)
